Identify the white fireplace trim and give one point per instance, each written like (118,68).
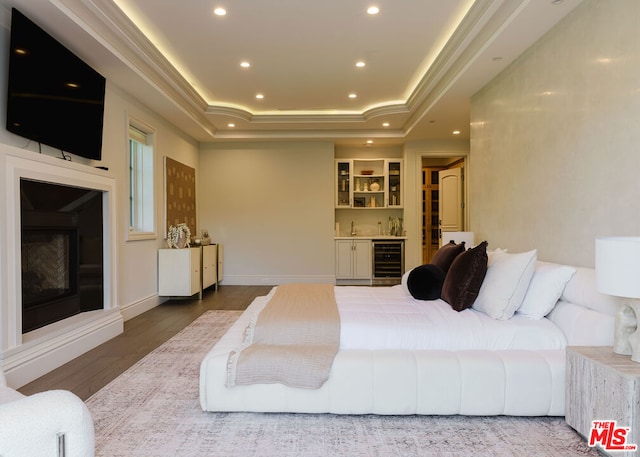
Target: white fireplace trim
(26,357)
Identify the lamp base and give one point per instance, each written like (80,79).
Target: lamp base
(627,334)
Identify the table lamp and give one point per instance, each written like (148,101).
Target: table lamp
(618,273)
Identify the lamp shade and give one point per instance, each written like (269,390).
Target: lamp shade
(618,266)
(458,237)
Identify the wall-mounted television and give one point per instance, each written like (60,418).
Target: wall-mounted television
(54,97)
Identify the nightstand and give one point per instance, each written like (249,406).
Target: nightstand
(603,386)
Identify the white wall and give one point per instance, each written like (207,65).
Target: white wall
(271,206)
(555,139)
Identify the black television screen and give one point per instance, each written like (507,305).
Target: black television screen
(53,96)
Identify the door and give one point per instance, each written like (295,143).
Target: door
(362,259)
(209,265)
(344,259)
(353,259)
(430,212)
(451,200)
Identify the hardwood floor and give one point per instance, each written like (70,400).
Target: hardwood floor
(91,371)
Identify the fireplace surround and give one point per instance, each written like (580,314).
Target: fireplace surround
(49,254)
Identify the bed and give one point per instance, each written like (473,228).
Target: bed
(402,355)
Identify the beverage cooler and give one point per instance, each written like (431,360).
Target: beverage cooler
(388,262)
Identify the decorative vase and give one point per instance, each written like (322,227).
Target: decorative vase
(374,186)
(182,241)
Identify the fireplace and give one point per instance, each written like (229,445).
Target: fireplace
(58,281)
(61,252)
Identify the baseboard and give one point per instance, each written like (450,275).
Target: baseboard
(134,309)
(36,358)
(274,280)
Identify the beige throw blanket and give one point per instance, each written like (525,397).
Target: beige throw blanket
(293,341)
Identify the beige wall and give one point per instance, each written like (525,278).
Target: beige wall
(138,260)
(271,206)
(555,139)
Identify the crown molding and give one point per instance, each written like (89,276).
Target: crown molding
(311,135)
(291,117)
(109,26)
(479,28)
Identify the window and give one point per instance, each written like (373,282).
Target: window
(141,182)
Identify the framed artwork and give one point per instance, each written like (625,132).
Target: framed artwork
(179,194)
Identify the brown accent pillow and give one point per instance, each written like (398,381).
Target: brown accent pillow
(445,256)
(465,276)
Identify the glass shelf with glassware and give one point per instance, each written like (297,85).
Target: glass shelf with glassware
(368,183)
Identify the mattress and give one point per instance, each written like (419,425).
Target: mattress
(382,318)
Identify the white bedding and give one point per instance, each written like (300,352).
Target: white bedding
(378,318)
(516,382)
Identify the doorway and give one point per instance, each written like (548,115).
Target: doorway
(433,206)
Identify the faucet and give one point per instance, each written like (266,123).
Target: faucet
(353,230)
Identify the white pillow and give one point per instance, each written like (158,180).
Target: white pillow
(505,284)
(495,253)
(546,287)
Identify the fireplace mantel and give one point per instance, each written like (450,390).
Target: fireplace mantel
(25,357)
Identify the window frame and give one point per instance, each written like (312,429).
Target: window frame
(149,133)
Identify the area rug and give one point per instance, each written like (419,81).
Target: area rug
(153,410)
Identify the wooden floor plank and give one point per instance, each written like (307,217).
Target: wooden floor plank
(93,370)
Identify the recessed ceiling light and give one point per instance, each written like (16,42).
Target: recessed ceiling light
(353,95)
(360,64)
(245,64)
(369,141)
(456,132)
(385,124)
(373,10)
(259,96)
(220,11)
(232,125)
